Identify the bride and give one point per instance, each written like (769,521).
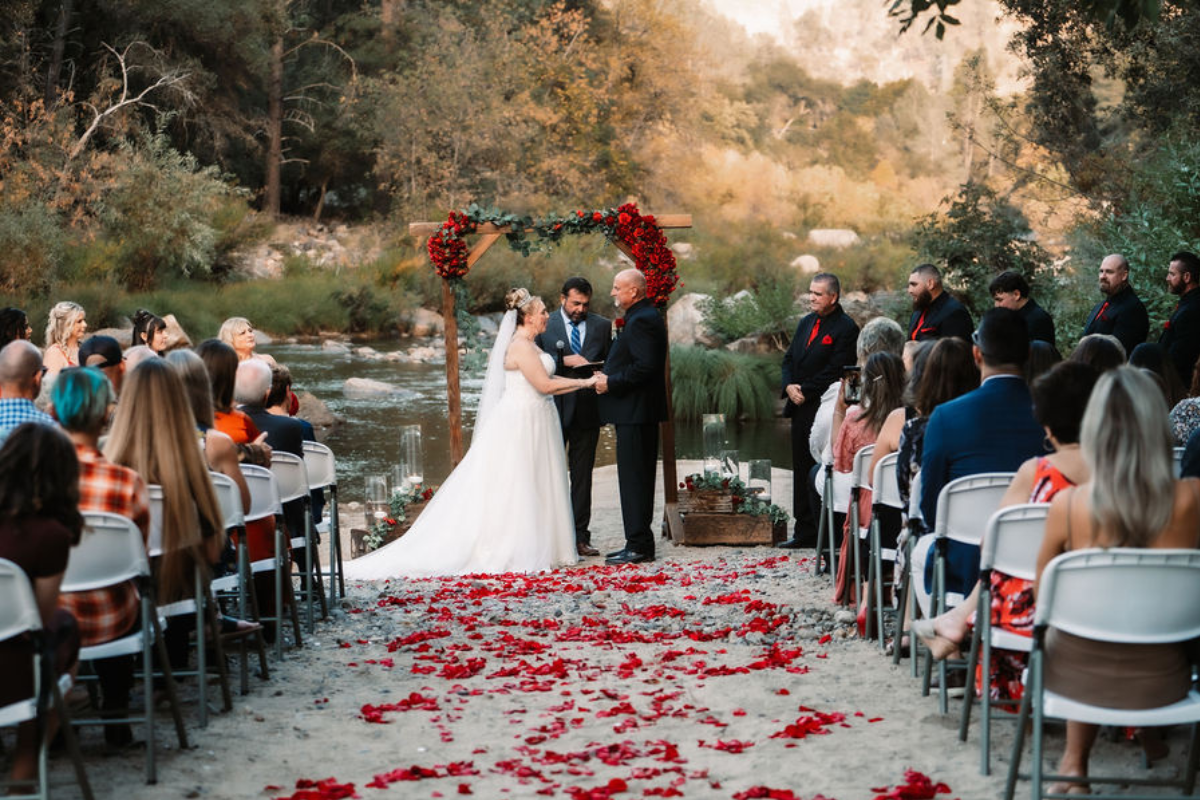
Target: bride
(507,506)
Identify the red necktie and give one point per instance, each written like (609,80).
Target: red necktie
(813,333)
(1100,313)
(920,324)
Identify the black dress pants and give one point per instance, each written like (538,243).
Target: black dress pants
(581,459)
(637,457)
(802,465)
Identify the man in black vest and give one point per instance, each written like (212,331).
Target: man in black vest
(1010,290)
(935,313)
(633,397)
(824,343)
(1181,333)
(576,338)
(1121,313)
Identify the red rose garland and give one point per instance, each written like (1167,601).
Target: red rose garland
(448,250)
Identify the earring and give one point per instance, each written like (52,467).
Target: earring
(1046,443)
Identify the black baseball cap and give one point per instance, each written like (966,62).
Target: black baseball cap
(99,351)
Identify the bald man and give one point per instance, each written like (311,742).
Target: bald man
(21,374)
(1121,313)
(633,397)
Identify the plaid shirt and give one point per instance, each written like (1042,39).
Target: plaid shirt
(17,410)
(105,614)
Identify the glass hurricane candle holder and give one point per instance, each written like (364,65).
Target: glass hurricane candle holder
(758,478)
(713,427)
(410,453)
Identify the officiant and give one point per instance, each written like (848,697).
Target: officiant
(579,341)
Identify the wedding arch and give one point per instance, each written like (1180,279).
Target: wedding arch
(639,236)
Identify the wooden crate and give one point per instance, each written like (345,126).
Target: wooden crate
(358,546)
(731,529)
(705,501)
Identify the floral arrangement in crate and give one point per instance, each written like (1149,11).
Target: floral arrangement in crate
(398,506)
(741,499)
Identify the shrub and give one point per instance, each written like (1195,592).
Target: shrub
(770,311)
(717,381)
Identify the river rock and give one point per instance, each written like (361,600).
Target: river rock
(423,355)
(489,324)
(367,352)
(316,412)
(685,323)
(335,348)
(124,336)
(426,323)
(366,387)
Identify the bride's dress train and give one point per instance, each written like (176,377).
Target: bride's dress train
(505,508)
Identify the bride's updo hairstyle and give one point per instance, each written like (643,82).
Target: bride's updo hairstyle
(520,300)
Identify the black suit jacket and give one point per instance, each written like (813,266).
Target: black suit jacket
(576,409)
(283,433)
(945,316)
(1040,323)
(1181,335)
(815,366)
(1121,315)
(637,391)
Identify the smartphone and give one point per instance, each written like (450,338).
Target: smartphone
(852,385)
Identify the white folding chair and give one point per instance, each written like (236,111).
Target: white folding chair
(110,552)
(291,473)
(963,508)
(1121,596)
(1010,546)
(1177,454)
(322,477)
(860,481)
(19,616)
(885,494)
(264,504)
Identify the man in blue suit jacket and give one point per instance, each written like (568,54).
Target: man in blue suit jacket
(576,337)
(633,396)
(991,429)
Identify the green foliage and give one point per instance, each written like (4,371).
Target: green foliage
(771,311)
(717,381)
(32,247)
(978,237)
(743,501)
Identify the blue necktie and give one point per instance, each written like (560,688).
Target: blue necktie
(576,342)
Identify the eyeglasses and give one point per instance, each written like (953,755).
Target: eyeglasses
(42,371)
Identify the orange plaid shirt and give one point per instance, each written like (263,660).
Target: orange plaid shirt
(106,614)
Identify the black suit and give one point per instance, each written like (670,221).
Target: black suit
(813,365)
(945,316)
(1121,315)
(635,403)
(578,411)
(1181,335)
(1039,323)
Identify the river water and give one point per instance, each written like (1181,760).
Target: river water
(368,443)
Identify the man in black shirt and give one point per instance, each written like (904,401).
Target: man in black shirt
(1121,313)
(935,312)
(1181,333)
(1009,289)
(824,343)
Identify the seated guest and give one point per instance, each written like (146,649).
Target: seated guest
(888,441)
(39,523)
(149,330)
(21,374)
(1059,400)
(854,427)
(991,429)
(154,434)
(238,333)
(1042,356)
(279,403)
(137,354)
(65,326)
(1130,460)
(1185,416)
(14,324)
(252,386)
(1152,357)
(1101,351)
(81,400)
(104,353)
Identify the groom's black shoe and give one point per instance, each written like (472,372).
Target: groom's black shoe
(616,553)
(629,557)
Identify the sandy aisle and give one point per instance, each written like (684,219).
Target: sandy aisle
(587,683)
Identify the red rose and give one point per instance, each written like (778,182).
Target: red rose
(619,322)
(597,216)
(1167,324)
(827,340)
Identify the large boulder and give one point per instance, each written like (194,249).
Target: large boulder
(806,264)
(316,412)
(366,387)
(425,322)
(685,324)
(832,237)
(124,336)
(176,336)
(759,344)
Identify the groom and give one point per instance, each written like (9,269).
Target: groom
(633,396)
(576,338)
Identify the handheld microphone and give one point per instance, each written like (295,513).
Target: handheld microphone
(560,345)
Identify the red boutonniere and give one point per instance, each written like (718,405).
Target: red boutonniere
(1167,324)
(827,339)
(618,326)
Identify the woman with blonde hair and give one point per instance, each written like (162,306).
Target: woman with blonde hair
(65,326)
(1132,499)
(238,333)
(154,434)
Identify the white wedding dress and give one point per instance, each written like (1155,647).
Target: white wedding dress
(505,508)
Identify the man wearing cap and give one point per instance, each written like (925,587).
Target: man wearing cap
(104,353)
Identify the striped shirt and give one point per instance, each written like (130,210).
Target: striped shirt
(106,614)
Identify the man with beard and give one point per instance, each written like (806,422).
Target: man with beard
(1121,313)
(578,338)
(824,344)
(935,313)
(1181,333)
